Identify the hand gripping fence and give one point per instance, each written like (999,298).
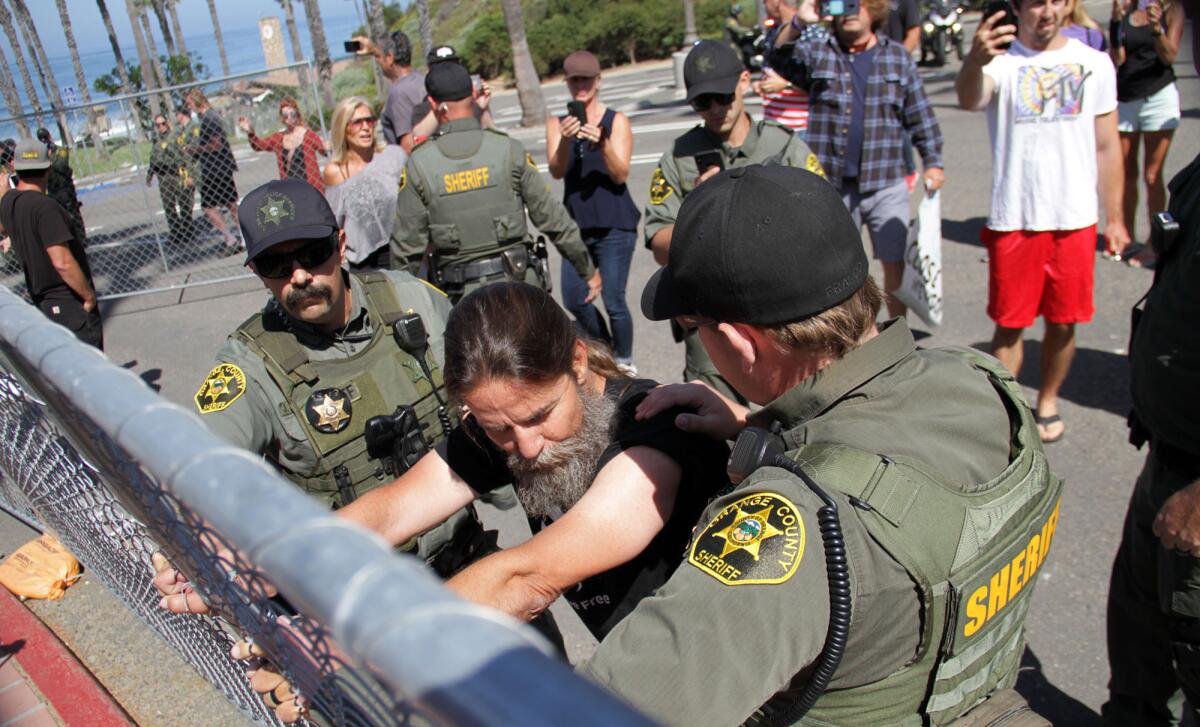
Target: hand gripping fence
(117,473)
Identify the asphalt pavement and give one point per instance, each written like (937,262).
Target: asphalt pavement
(169,339)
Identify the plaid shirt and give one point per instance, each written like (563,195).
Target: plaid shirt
(896,105)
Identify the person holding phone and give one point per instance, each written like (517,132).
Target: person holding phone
(1050,151)
(866,99)
(717,84)
(296,146)
(1146,38)
(590,148)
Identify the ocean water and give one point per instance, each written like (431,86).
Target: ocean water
(242,47)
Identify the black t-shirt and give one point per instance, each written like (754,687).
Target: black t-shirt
(221,160)
(34,221)
(904,15)
(604,599)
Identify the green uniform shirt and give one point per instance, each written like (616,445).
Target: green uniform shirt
(768,142)
(169,161)
(747,612)
(1165,355)
(461,140)
(259,418)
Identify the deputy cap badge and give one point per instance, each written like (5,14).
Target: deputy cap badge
(757,539)
(813,165)
(224,385)
(328,410)
(275,208)
(660,189)
(704,64)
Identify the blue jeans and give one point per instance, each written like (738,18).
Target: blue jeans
(612,252)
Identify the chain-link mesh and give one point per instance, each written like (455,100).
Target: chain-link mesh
(89,450)
(49,483)
(153,189)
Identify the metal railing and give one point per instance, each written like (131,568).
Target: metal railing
(117,473)
(158,218)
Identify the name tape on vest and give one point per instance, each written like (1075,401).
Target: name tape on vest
(995,592)
(467,180)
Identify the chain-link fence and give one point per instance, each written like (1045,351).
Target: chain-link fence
(117,473)
(155,187)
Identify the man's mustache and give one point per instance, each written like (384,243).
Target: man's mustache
(316,291)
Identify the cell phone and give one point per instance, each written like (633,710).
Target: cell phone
(1010,15)
(578,110)
(837,8)
(352,46)
(476,82)
(708,159)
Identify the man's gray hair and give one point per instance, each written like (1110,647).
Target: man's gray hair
(397,45)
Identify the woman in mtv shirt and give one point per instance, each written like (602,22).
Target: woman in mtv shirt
(1144,40)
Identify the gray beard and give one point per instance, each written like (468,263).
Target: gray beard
(549,485)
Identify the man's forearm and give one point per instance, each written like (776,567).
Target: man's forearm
(503,583)
(1111,166)
(660,244)
(970,86)
(68,269)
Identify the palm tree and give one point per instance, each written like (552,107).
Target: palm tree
(289,18)
(312,13)
(122,71)
(152,47)
(11,99)
(212,11)
(183,51)
(377,29)
(160,12)
(424,26)
(148,64)
(529,89)
(31,96)
(80,79)
(689,23)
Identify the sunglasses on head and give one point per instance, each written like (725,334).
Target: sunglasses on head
(355,123)
(311,254)
(705,100)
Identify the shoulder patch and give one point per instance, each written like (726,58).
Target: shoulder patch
(813,165)
(224,385)
(758,539)
(529,160)
(403,179)
(660,189)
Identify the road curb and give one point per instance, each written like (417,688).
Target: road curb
(64,682)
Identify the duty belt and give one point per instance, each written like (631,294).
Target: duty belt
(466,272)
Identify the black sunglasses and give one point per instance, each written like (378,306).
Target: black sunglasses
(704,100)
(309,255)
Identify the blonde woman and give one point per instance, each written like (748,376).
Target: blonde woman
(360,183)
(1079,25)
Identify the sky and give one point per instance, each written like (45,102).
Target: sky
(193,17)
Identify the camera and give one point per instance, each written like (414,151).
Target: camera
(839,8)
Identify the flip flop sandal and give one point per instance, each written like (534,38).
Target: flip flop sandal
(1046,422)
(1135,256)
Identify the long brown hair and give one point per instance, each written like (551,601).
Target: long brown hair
(514,331)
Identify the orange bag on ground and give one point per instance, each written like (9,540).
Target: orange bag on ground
(41,568)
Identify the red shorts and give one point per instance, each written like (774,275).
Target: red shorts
(1040,273)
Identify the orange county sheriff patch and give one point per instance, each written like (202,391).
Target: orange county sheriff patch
(757,539)
(223,386)
(659,188)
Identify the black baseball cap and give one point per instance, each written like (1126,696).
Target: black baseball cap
(441,54)
(448,81)
(711,67)
(283,210)
(763,245)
